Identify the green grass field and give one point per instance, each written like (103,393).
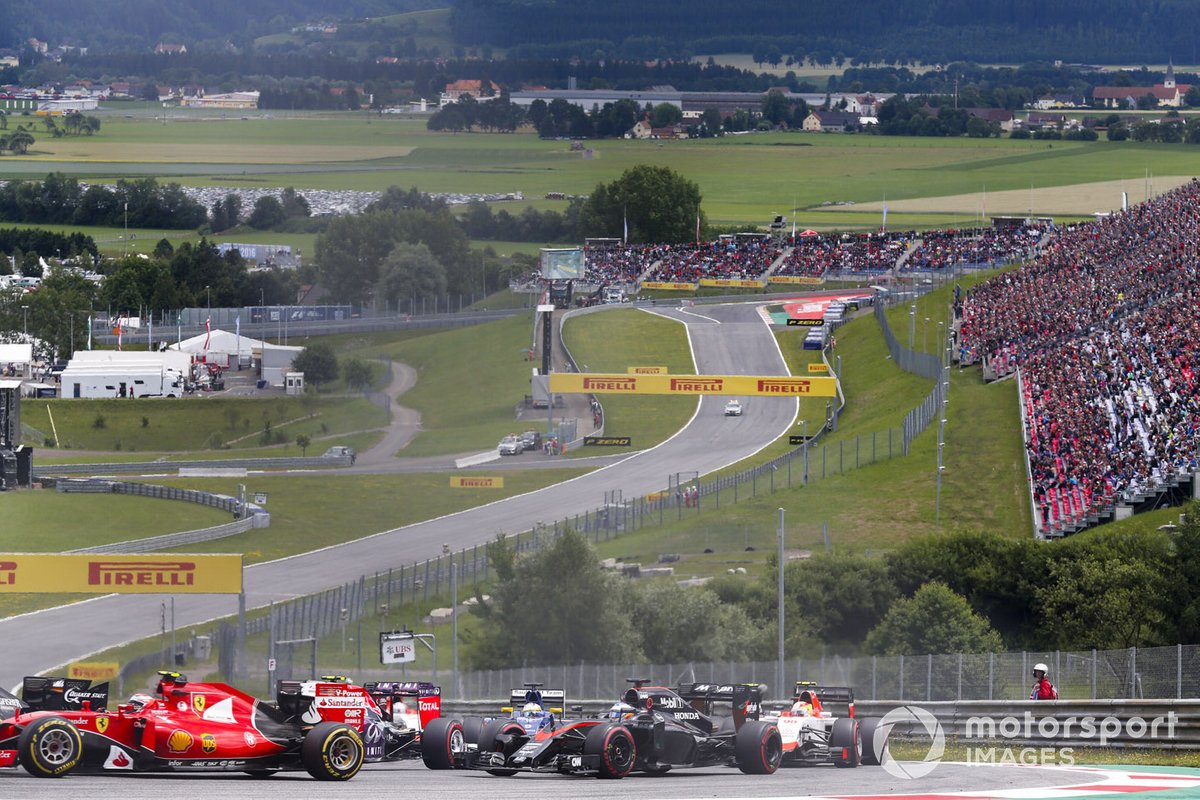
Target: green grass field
(613,341)
(744,179)
(194,423)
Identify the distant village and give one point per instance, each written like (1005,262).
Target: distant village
(830,112)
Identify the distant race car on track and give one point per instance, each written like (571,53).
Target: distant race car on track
(733,408)
(62,725)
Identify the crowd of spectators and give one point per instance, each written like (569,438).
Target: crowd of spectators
(1103,326)
(730,259)
(617,263)
(977,247)
(814,256)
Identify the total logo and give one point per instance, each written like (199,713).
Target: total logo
(429,705)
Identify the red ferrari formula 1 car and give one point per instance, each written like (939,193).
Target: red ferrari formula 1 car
(62,726)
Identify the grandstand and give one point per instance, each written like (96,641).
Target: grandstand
(979,247)
(1102,334)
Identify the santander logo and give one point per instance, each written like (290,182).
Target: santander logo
(122,761)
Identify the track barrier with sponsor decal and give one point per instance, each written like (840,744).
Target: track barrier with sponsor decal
(94,670)
(177,573)
(747,385)
(671,287)
(818,368)
(457,482)
(607,441)
(805,323)
(741,284)
(647,370)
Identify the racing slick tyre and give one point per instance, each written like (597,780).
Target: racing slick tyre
(758,748)
(614,744)
(471,729)
(874,741)
(441,741)
(489,741)
(332,751)
(846,742)
(50,747)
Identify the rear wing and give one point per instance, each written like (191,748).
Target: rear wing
(744,698)
(545,698)
(63,694)
(840,695)
(10,705)
(428,705)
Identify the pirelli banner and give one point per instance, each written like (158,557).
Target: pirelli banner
(803,280)
(741,284)
(457,482)
(647,370)
(751,385)
(123,574)
(671,287)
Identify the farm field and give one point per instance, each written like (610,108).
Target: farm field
(745,179)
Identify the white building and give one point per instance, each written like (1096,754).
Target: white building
(228,350)
(125,373)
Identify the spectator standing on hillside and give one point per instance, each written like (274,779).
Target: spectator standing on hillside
(1042,688)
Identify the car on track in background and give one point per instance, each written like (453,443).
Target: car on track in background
(61,726)
(511,445)
(819,727)
(733,408)
(652,730)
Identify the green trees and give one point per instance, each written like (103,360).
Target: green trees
(934,620)
(410,271)
(659,204)
(318,362)
(559,607)
(352,251)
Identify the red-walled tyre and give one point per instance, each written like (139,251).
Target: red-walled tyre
(615,746)
(758,748)
(441,741)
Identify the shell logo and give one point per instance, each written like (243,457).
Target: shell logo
(179,741)
(208,742)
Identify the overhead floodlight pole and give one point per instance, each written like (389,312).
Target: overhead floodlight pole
(779,651)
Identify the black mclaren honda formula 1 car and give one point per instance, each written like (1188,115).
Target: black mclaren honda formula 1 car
(652,730)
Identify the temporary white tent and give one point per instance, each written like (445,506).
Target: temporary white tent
(228,349)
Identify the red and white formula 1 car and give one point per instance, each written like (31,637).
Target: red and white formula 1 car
(819,727)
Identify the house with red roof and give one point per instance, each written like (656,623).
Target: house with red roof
(1166,94)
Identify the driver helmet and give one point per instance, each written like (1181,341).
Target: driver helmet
(802,708)
(140,701)
(531,708)
(620,711)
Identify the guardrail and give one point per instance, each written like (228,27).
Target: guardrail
(159,467)
(247,515)
(1140,724)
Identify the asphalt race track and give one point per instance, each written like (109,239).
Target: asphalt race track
(411,779)
(729,339)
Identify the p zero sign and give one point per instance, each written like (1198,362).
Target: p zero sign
(123,574)
(744,385)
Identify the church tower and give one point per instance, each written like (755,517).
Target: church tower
(1169,80)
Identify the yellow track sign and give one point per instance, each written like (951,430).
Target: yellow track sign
(647,370)
(457,482)
(749,385)
(123,574)
(94,670)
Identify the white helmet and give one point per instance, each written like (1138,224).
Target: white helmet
(531,708)
(1042,668)
(140,701)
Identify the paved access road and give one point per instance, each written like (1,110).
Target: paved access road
(412,779)
(729,339)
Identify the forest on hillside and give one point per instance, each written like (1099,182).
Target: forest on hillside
(825,31)
(881,31)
